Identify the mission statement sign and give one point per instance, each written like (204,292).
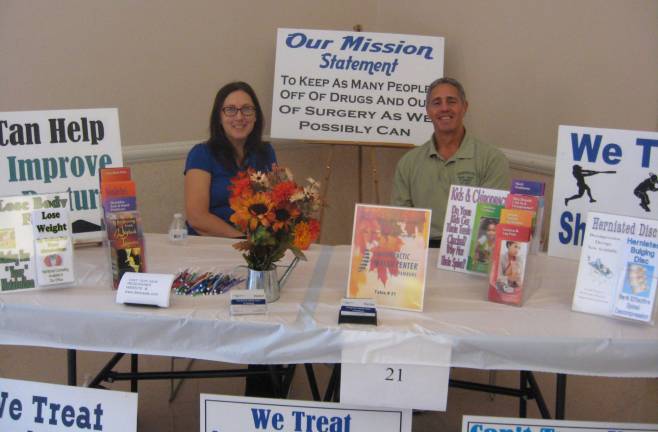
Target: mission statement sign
(353,86)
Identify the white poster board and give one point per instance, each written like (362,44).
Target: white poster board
(603,170)
(233,413)
(503,424)
(34,406)
(62,150)
(353,86)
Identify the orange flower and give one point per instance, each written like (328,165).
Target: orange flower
(252,210)
(240,184)
(306,233)
(283,191)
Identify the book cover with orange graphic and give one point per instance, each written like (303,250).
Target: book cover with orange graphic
(388,260)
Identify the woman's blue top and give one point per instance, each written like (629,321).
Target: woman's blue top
(201,157)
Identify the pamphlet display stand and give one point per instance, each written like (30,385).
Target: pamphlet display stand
(122,222)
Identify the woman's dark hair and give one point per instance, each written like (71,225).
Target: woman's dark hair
(219,144)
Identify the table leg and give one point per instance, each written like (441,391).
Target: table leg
(312,382)
(134,367)
(333,388)
(523,399)
(71,358)
(560,396)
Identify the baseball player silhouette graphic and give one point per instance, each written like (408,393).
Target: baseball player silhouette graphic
(642,189)
(579,173)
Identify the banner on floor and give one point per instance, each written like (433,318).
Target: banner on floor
(228,413)
(603,170)
(502,424)
(28,406)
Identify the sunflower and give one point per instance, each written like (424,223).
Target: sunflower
(252,210)
(284,215)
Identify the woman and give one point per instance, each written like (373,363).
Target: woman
(235,144)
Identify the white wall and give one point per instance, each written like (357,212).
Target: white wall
(528,66)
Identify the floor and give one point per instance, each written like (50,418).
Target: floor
(588,398)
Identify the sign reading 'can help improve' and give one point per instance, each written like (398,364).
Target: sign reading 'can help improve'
(60,151)
(353,86)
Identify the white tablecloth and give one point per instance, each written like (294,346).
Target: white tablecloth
(542,335)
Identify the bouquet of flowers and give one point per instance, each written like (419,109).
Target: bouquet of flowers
(276,214)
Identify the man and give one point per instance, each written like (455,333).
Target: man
(452,156)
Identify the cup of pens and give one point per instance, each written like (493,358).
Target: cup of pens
(194,282)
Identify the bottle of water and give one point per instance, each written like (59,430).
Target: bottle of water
(177,229)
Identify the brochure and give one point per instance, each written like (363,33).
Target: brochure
(53,247)
(126,244)
(388,260)
(536,189)
(460,230)
(617,272)
(510,257)
(483,237)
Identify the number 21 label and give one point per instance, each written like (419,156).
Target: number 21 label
(396,386)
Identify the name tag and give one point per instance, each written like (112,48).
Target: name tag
(248,302)
(151,289)
(358,311)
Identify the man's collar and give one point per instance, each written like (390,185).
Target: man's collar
(466,148)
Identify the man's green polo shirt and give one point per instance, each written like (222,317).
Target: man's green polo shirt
(423,179)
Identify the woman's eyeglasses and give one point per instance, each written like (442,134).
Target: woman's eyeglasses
(232,111)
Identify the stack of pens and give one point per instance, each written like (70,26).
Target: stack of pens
(191,282)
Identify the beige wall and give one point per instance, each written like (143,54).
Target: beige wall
(528,66)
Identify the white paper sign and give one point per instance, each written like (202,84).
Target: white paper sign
(502,424)
(32,406)
(63,150)
(145,288)
(353,86)
(395,385)
(53,248)
(602,170)
(231,413)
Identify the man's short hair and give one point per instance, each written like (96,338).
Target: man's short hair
(446,80)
